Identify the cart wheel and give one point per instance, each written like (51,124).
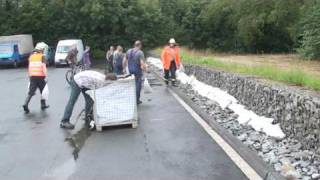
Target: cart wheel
(99,128)
(134,125)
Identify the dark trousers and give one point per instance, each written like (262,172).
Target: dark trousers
(35,83)
(109,67)
(118,69)
(75,92)
(171,72)
(138,79)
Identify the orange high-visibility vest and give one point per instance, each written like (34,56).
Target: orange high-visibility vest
(36,67)
(170,54)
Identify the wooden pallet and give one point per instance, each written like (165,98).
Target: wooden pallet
(133,123)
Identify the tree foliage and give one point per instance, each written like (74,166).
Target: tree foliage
(255,26)
(310,46)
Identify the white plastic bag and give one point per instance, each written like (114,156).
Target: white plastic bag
(126,70)
(45,93)
(146,86)
(181,68)
(28,87)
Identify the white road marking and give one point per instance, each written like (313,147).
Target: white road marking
(234,156)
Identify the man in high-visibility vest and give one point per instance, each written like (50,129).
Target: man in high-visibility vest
(37,72)
(171,61)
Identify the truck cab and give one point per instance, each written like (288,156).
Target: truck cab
(15,49)
(9,55)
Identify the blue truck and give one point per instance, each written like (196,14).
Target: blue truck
(15,50)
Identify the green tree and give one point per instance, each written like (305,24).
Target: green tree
(310,44)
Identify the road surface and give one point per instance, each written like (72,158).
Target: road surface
(168,144)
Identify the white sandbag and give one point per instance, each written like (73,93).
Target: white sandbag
(181,68)
(126,70)
(146,86)
(45,93)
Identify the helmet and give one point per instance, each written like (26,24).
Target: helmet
(172,41)
(41,46)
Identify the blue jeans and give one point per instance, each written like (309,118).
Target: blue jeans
(118,69)
(138,79)
(75,92)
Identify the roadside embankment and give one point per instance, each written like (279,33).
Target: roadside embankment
(297,112)
(252,111)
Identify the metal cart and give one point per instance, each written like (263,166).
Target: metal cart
(116,104)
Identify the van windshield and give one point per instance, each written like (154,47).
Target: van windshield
(63,49)
(6,49)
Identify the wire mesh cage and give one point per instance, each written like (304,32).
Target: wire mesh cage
(116,104)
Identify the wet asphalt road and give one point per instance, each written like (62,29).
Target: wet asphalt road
(168,144)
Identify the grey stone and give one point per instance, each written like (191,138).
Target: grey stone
(295,147)
(248,142)
(266,147)
(285,161)
(305,170)
(302,155)
(277,166)
(315,176)
(295,164)
(304,164)
(257,146)
(270,157)
(283,151)
(243,137)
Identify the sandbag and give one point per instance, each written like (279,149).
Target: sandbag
(146,86)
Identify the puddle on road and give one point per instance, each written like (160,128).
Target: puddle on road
(65,170)
(77,141)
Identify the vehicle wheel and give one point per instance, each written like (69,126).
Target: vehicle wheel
(69,76)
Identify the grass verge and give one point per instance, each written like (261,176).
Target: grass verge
(292,76)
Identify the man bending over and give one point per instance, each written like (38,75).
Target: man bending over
(83,81)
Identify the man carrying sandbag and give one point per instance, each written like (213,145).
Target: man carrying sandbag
(83,81)
(37,72)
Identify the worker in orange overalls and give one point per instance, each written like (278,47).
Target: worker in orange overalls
(37,72)
(171,61)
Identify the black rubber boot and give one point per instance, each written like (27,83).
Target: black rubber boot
(43,104)
(26,104)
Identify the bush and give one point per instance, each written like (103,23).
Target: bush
(98,54)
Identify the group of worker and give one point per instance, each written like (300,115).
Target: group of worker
(133,61)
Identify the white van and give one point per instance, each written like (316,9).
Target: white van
(63,48)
